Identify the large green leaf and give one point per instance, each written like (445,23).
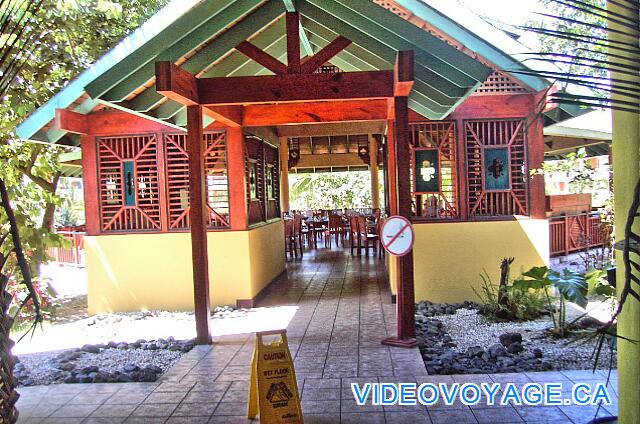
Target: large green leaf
(571,285)
(535,278)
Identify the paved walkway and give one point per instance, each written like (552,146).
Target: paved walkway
(344,311)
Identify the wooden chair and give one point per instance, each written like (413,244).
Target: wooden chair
(297,231)
(334,228)
(371,237)
(353,233)
(289,239)
(362,234)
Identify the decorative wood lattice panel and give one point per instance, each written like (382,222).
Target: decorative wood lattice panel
(215,162)
(486,139)
(443,203)
(500,83)
(128,183)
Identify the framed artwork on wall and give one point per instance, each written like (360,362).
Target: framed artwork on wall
(496,169)
(426,172)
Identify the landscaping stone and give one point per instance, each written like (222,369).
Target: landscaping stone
(141,361)
(515,347)
(507,339)
(465,343)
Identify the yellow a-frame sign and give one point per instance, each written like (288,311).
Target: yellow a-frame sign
(273,392)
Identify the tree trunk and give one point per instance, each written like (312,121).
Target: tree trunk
(50,209)
(8,383)
(504,280)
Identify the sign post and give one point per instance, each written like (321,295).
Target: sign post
(273,390)
(397,237)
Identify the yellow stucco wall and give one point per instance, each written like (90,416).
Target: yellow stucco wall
(131,272)
(449,257)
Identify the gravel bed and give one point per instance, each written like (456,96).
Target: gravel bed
(44,367)
(454,336)
(130,359)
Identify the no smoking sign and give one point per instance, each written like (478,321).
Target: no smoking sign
(397,236)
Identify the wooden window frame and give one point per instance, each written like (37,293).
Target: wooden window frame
(179,153)
(142,151)
(446,145)
(501,204)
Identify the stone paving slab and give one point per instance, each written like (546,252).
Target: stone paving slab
(344,311)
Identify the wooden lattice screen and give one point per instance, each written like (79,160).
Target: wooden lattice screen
(496,168)
(128,183)
(442,201)
(177,161)
(500,83)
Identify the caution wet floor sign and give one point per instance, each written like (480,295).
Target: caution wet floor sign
(273,392)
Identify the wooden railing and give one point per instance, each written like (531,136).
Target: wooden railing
(72,255)
(571,233)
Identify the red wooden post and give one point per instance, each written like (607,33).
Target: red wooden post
(405,297)
(90,185)
(536,157)
(293,42)
(237,184)
(198,218)
(391,169)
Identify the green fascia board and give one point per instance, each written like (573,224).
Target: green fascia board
(427,82)
(472,41)
(385,32)
(76,88)
(228,40)
(216,24)
(415,35)
(382,50)
(154,45)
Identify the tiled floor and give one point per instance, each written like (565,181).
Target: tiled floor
(344,311)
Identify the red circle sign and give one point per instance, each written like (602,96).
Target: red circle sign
(397,235)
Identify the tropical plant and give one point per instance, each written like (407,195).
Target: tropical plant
(571,287)
(504,302)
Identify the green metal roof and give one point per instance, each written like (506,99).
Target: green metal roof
(200,35)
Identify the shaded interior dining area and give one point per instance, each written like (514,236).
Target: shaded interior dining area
(331,188)
(354,229)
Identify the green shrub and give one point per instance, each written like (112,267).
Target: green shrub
(516,305)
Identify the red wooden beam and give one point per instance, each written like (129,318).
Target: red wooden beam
(229,116)
(176,83)
(403,74)
(293,42)
(295,88)
(310,64)
(262,57)
(314,112)
(72,122)
(198,219)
